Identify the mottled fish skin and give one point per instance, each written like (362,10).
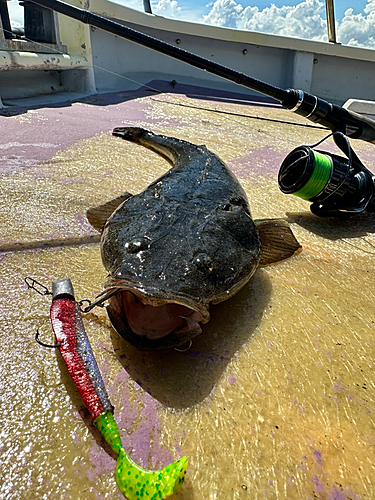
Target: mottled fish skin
(187,239)
(189,234)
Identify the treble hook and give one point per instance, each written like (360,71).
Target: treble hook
(46,345)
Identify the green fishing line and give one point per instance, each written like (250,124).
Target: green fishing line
(318,179)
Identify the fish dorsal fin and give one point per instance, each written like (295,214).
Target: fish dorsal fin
(98,216)
(278,241)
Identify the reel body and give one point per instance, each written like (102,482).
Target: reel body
(335,185)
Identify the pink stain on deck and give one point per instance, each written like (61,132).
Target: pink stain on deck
(318,485)
(41,126)
(337,387)
(341,494)
(101,463)
(318,457)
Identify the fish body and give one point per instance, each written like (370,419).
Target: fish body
(185,242)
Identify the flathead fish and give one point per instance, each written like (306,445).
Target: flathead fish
(185,242)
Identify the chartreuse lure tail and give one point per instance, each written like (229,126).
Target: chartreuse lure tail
(74,346)
(137,483)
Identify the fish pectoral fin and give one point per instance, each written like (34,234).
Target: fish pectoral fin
(98,216)
(278,241)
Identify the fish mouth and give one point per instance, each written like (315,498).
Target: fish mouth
(151,319)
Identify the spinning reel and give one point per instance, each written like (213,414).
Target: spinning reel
(335,185)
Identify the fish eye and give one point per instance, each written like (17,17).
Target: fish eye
(226,208)
(203,262)
(237,201)
(234,204)
(137,245)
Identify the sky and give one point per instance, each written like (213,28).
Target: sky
(355,19)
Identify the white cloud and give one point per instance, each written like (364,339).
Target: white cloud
(358,29)
(226,13)
(15,24)
(302,21)
(167,8)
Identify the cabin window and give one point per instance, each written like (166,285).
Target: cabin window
(27,21)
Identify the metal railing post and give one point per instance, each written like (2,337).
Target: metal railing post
(331,21)
(147,6)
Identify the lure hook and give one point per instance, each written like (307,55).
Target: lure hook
(186,349)
(38,287)
(84,309)
(90,305)
(99,300)
(50,346)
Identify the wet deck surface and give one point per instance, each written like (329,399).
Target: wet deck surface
(275,399)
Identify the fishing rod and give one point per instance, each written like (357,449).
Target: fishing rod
(334,184)
(315,109)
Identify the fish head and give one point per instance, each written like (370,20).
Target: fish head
(169,265)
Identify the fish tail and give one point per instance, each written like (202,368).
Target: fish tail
(134,134)
(170,148)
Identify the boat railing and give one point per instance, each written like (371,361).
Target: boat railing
(40,25)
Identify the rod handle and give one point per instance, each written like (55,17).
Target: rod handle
(334,117)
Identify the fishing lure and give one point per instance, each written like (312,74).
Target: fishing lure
(133,481)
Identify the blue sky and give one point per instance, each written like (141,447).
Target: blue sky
(355,19)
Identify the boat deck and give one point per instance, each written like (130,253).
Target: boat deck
(275,399)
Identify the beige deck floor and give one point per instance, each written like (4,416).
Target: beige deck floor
(274,400)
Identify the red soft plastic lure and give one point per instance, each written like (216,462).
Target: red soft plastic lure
(74,346)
